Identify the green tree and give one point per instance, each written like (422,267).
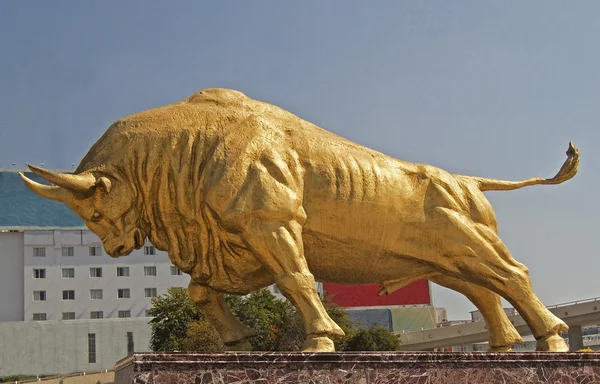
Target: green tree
(373,339)
(171,313)
(201,337)
(179,325)
(9,379)
(276,322)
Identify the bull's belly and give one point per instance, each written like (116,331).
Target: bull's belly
(362,226)
(354,262)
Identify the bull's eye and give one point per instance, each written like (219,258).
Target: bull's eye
(96,216)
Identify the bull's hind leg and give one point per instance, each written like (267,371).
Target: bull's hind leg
(502,333)
(473,252)
(212,304)
(280,248)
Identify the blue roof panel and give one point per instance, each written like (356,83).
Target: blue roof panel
(368,318)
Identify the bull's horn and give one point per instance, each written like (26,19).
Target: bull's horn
(48,191)
(71,182)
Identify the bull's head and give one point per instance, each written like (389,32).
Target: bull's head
(107,207)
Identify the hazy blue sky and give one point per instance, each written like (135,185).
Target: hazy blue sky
(494,89)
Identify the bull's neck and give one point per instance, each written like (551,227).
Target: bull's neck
(168,187)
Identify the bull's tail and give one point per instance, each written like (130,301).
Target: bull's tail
(567,171)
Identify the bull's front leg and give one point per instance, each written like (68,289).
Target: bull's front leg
(278,245)
(212,304)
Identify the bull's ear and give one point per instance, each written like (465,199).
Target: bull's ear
(104,184)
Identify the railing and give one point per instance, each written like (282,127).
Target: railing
(590,338)
(454,323)
(574,302)
(58,378)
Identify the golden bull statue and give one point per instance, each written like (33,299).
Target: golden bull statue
(243,194)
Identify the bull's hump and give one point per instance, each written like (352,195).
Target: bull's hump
(220,95)
(169,114)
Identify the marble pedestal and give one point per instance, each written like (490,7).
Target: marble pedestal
(364,367)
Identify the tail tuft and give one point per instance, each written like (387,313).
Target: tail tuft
(569,168)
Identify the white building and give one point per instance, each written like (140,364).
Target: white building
(63,347)
(64,274)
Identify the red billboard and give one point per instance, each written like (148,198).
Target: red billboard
(365,295)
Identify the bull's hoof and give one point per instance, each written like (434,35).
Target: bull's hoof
(239,346)
(498,349)
(318,344)
(553,343)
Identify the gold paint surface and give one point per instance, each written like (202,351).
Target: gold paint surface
(243,194)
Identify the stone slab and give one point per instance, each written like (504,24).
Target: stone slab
(363,367)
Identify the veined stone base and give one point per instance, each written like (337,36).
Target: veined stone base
(363,367)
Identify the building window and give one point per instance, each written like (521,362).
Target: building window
(95,251)
(91,347)
(68,315)
(175,271)
(96,294)
(96,315)
(68,295)
(39,316)
(149,271)
(147,313)
(149,250)
(39,273)
(124,314)
(123,293)
(129,343)
(39,295)
(39,252)
(122,271)
(96,272)
(150,292)
(68,273)
(276,289)
(68,251)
